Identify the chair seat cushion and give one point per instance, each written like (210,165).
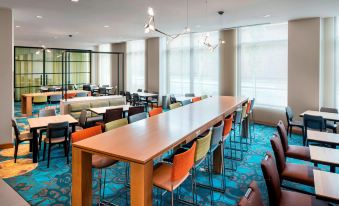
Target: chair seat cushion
(24,136)
(298,152)
(55,140)
(289,198)
(102,162)
(297,123)
(162,177)
(299,173)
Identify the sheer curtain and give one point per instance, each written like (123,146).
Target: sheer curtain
(105,66)
(262,64)
(187,66)
(135,68)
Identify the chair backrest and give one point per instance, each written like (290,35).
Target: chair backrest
(69,95)
(102,90)
(252,104)
(51,89)
(139,90)
(135,110)
(189,95)
(115,124)
(56,130)
(237,116)
(217,132)
(186,102)
(182,163)
(47,112)
(146,91)
(70,87)
(55,98)
(314,122)
(329,110)
(122,93)
(244,111)
(155,111)
(86,87)
(83,118)
(113,114)
(283,135)
(105,85)
(272,179)
(278,153)
(81,94)
(203,146)
(196,99)
(252,196)
(136,97)
(174,105)
(16,129)
(86,133)
(289,114)
(227,125)
(248,109)
(204,96)
(137,117)
(40,99)
(128,96)
(173,99)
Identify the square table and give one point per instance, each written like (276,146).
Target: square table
(326,185)
(102,110)
(324,155)
(323,137)
(325,115)
(42,122)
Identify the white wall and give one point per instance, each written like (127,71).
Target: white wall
(6,77)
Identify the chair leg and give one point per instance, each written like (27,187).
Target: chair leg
(66,151)
(43,157)
(210,178)
(16,150)
(290,131)
(49,154)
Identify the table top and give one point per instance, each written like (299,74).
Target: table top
(326,185)
(144,140)
(324,155)
(52,93)
(143,94)
(89,98)
(325,115)
(102,110)
(325,137)
(41,122)
(182,98)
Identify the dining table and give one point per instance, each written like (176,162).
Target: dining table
(324,155)
(141,142)
(326,185)
(323,137)
(326,115)
(42,122)
(102,110)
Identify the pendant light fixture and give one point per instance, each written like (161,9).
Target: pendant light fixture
(150,25)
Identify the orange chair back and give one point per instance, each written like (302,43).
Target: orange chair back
(69,95)
(228,125)
(182,163)
(248,107)
(86,133)
(196,99)
(155,111)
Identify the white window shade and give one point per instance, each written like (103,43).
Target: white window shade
(135,68)
(262,64)
(105,65)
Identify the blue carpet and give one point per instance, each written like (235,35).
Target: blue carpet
(52,186)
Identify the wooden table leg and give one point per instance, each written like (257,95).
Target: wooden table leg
(35,145)
(218,159)
(28,103)
(141,183)
(81,177)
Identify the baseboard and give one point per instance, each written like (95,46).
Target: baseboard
(6,146)
(295,130)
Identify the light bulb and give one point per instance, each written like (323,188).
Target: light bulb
(37,52)
(47,50)
(187,29)
(151,27)
(223,42)
(150,11)
(147,30)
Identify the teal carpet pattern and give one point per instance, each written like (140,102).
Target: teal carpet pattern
(52,186)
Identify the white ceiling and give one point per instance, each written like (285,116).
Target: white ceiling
(126,18)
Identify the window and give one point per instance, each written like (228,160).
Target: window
(189,66)
(262,64)
(105,67)
(135,69)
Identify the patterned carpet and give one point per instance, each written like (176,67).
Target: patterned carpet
(52,186)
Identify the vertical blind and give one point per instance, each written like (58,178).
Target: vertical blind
(135,66)
(262,64)
(187,66)
(105,67)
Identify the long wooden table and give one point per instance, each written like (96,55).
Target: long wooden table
(325,115)
(326,185)
(323,137)
(324,155)
(141,142)
(27,99)
(42,122)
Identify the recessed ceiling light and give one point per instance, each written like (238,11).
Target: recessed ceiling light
(17,26)
(106,26)
(74,0)
(267,15)
(39,17)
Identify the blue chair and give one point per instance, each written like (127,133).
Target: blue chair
(137,117)
(186,102)
(81,94)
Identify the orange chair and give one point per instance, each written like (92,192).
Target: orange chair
(228,122)
(169,176)
(69,95)
(252,196)
(155,111)
(98,162)
(196,99)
